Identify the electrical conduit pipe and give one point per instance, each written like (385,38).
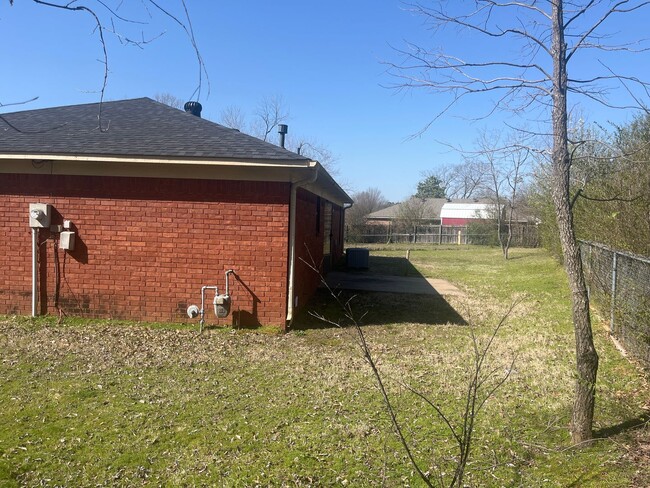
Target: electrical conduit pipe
(34,270)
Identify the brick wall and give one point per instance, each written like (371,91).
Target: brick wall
(310,218)
(309,244)
(145,246)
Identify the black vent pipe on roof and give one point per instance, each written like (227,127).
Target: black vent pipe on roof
(282,130)
(193,108)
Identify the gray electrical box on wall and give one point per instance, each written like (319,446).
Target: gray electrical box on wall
(66,241)
(39,215)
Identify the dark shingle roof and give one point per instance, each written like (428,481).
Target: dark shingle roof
(139,127)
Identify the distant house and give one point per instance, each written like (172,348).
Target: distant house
(436,211)
(458,213)
(136,217)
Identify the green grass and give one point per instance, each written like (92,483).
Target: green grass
(89,403)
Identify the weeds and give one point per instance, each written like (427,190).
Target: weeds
(478,390)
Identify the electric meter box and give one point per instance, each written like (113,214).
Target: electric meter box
(66,241)
(39,215)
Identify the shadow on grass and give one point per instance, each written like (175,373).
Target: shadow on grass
(623,427)
(377,308)
(583,479)
(374,302)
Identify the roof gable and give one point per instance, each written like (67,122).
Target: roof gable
(138,127)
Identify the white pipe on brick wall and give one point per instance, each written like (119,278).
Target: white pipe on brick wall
(34,270)
(228,273)
(292,240)
(202,311)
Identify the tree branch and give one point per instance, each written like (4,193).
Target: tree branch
(189,31)
(100,30)
(600,21)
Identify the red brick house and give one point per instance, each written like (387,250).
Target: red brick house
(161,203)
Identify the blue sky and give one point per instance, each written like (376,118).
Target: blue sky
(326,59)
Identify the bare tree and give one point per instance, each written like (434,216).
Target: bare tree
(270,112)
(546,37)
(365,202)
(465,180)
(505,167)
(410,214)
(169,99)
(316,150)
(233,117)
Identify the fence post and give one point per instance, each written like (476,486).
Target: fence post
(613,305)
(440,234)
(589,264)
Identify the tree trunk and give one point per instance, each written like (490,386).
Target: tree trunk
(506,249)
(586,356)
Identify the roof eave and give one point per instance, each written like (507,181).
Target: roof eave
(334,193)
(289,163)
(103,165)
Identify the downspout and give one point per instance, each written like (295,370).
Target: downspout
(292,239)
(346,206)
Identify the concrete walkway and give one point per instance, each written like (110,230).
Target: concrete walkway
(390,284)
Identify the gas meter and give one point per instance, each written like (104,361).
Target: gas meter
(221,306)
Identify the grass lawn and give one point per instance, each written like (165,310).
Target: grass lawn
(88,403)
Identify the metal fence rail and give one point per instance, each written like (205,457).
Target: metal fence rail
(619,283)
(522,235)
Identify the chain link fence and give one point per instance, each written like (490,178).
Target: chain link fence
(619,283)
(522,235)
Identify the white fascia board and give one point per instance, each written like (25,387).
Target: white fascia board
(141,160)
(264,172)
(325,186)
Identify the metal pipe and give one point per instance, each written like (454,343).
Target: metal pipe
(613,300)
(202,311)
(34,270)
(282,130)
(229,272)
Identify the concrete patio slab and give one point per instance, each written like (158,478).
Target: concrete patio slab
(391,284)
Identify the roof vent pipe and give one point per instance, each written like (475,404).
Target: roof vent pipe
(193,108)
(282,130)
